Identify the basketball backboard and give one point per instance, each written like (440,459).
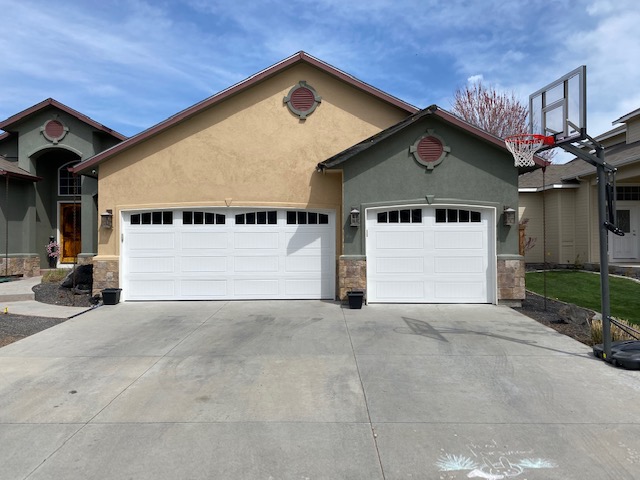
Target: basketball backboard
(560,108)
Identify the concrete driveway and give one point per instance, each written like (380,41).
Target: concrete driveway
(310,390)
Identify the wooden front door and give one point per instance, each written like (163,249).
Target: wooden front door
(70,239)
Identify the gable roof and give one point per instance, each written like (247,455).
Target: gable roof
(297,58)
(431,110)
(11,170)
(50,102)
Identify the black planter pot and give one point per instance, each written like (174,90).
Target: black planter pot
(111,296)
(355,299)
(53,261)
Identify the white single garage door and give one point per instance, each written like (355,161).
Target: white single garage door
(430,255)
(210,254)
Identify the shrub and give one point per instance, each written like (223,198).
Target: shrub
(616,332)
(55,276)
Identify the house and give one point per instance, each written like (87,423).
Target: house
(248,194)
(41,198)
(561,203)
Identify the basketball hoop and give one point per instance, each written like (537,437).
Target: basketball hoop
(525,145)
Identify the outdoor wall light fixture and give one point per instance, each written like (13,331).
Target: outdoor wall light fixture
(355,217)
(107,219)
(509,216)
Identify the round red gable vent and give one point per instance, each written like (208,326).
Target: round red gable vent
(302,100)
(54,130)
(429,150)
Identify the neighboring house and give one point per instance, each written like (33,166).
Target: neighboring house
(40,197)
(561,203)
(227,200)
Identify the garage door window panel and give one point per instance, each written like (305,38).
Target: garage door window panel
(152,218)
(400,216)
(306,218)
(202,218)
(452,215)
(257,218)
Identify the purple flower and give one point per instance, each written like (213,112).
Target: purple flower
(53,249)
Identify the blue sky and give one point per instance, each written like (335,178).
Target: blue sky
(131,64)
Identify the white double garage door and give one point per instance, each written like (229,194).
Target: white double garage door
(210,254)
(414,254)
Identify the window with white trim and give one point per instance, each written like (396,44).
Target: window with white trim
(68,184)
(628,192)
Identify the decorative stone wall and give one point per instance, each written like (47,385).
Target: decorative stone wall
(84,259)
(27,266)
(106,274)
(511,289)
(352,275)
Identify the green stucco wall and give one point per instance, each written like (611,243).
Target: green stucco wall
(18,207)
(473,173)
(35,217)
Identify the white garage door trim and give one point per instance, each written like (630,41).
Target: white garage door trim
(228,254)
(414,257)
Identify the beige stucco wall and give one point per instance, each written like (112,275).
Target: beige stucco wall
(582,223)
(633,131)
(248,150)
(530,207)
(560,231)
(567,226)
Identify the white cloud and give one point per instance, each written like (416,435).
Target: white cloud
(475,78)
(136,62)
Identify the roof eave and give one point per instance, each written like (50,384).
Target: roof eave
(343,156)
(590,171)
(20,176)
(549,186)
(6,124)
(235,89)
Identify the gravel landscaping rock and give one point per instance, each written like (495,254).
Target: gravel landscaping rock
(552,313)
(15,327)
(55,294)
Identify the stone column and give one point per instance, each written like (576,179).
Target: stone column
(352,274)
(511,283)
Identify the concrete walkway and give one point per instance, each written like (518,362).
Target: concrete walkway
(18,297)
(310,390)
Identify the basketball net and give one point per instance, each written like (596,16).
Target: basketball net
(524,146)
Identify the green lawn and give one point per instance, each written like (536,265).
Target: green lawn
(583,289)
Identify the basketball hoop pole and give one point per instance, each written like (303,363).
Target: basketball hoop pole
(602,168)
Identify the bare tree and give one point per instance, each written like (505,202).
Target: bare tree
(501,114)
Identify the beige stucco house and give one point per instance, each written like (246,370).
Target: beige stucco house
(561,206)
(229,199)
(249,152)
